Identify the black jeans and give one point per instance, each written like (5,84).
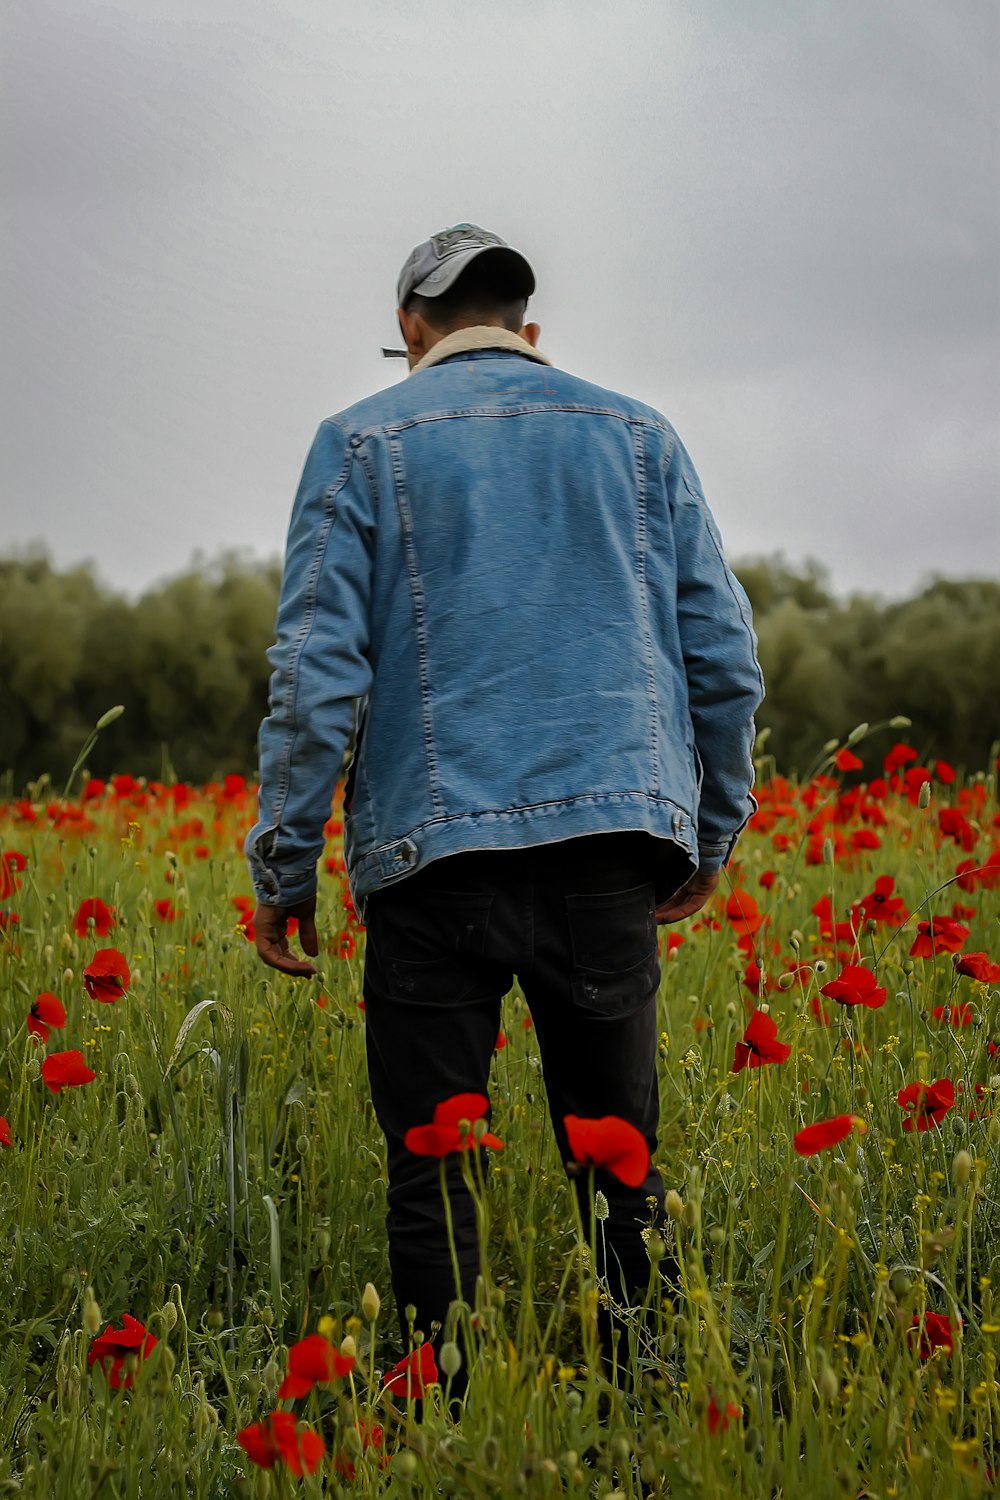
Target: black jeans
(576,923)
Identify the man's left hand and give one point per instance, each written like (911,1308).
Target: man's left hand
(270,926)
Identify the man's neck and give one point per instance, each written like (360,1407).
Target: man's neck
(482,336)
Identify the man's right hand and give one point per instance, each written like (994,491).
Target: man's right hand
(690,898)
(270,924)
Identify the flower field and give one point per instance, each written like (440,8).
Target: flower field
(195,1295)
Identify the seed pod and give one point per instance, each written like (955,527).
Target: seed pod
(91,1312)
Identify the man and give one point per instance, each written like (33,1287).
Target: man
(515,574)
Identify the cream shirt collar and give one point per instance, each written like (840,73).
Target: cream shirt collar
(463,340)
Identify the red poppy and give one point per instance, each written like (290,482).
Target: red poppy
(767,878)
(865,838)
(115,1345)
(846,760)
(278,1437)
(755,979)
(841,932)
(371,1436)
(944,772)
(93,911)
(10,863)
(936,1332)
(881,904)
(760,1044)
(500,1042)
(855,985)
(914,779)
(825,1133)
(443,1136)
(899,755)
(413,1374)
(5,1139)
(928,1103)
(47,1011)
(65,1070)
(165,909)
(742,913)
(978,966)
(939,935)
(955,825)
(107,976)
(611,1143)
(313,1359)
(719,1417)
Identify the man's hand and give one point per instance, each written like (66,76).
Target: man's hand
(690,898)
(270,926)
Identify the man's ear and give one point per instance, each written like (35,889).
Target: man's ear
(530,333)
(417,335)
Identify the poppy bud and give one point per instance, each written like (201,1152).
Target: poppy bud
(795,941)
(348,1346)
(405,1464)
(827,1381)
(656,1247)
(961,1168)
(674,1204)
(717,1234)
(91,1312)
(271,1376)
(47,952)
(167,1316)
(900,721)
(302,1145)
(857,733)
(690,1214)
(450,1359)
(214,1319)
(828,851)
(371,1302)
(110,715)
(830,746)
(410,1314)
(785,981)
(206,1419)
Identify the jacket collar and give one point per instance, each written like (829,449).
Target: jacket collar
(465,340)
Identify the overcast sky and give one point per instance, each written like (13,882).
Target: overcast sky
(777,222)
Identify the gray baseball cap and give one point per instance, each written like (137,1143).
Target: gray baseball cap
(437,264)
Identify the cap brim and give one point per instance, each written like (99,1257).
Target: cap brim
(513,271)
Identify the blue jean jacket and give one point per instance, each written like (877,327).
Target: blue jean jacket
(515,577)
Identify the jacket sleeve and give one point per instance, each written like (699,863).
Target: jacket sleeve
(719,649)
(321,666)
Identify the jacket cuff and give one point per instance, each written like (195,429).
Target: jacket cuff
(712,857)
(274,888)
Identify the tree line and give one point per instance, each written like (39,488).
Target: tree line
(187,661)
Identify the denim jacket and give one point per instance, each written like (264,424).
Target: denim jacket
(514,576)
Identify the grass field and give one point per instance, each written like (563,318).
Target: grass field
(192,1179)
